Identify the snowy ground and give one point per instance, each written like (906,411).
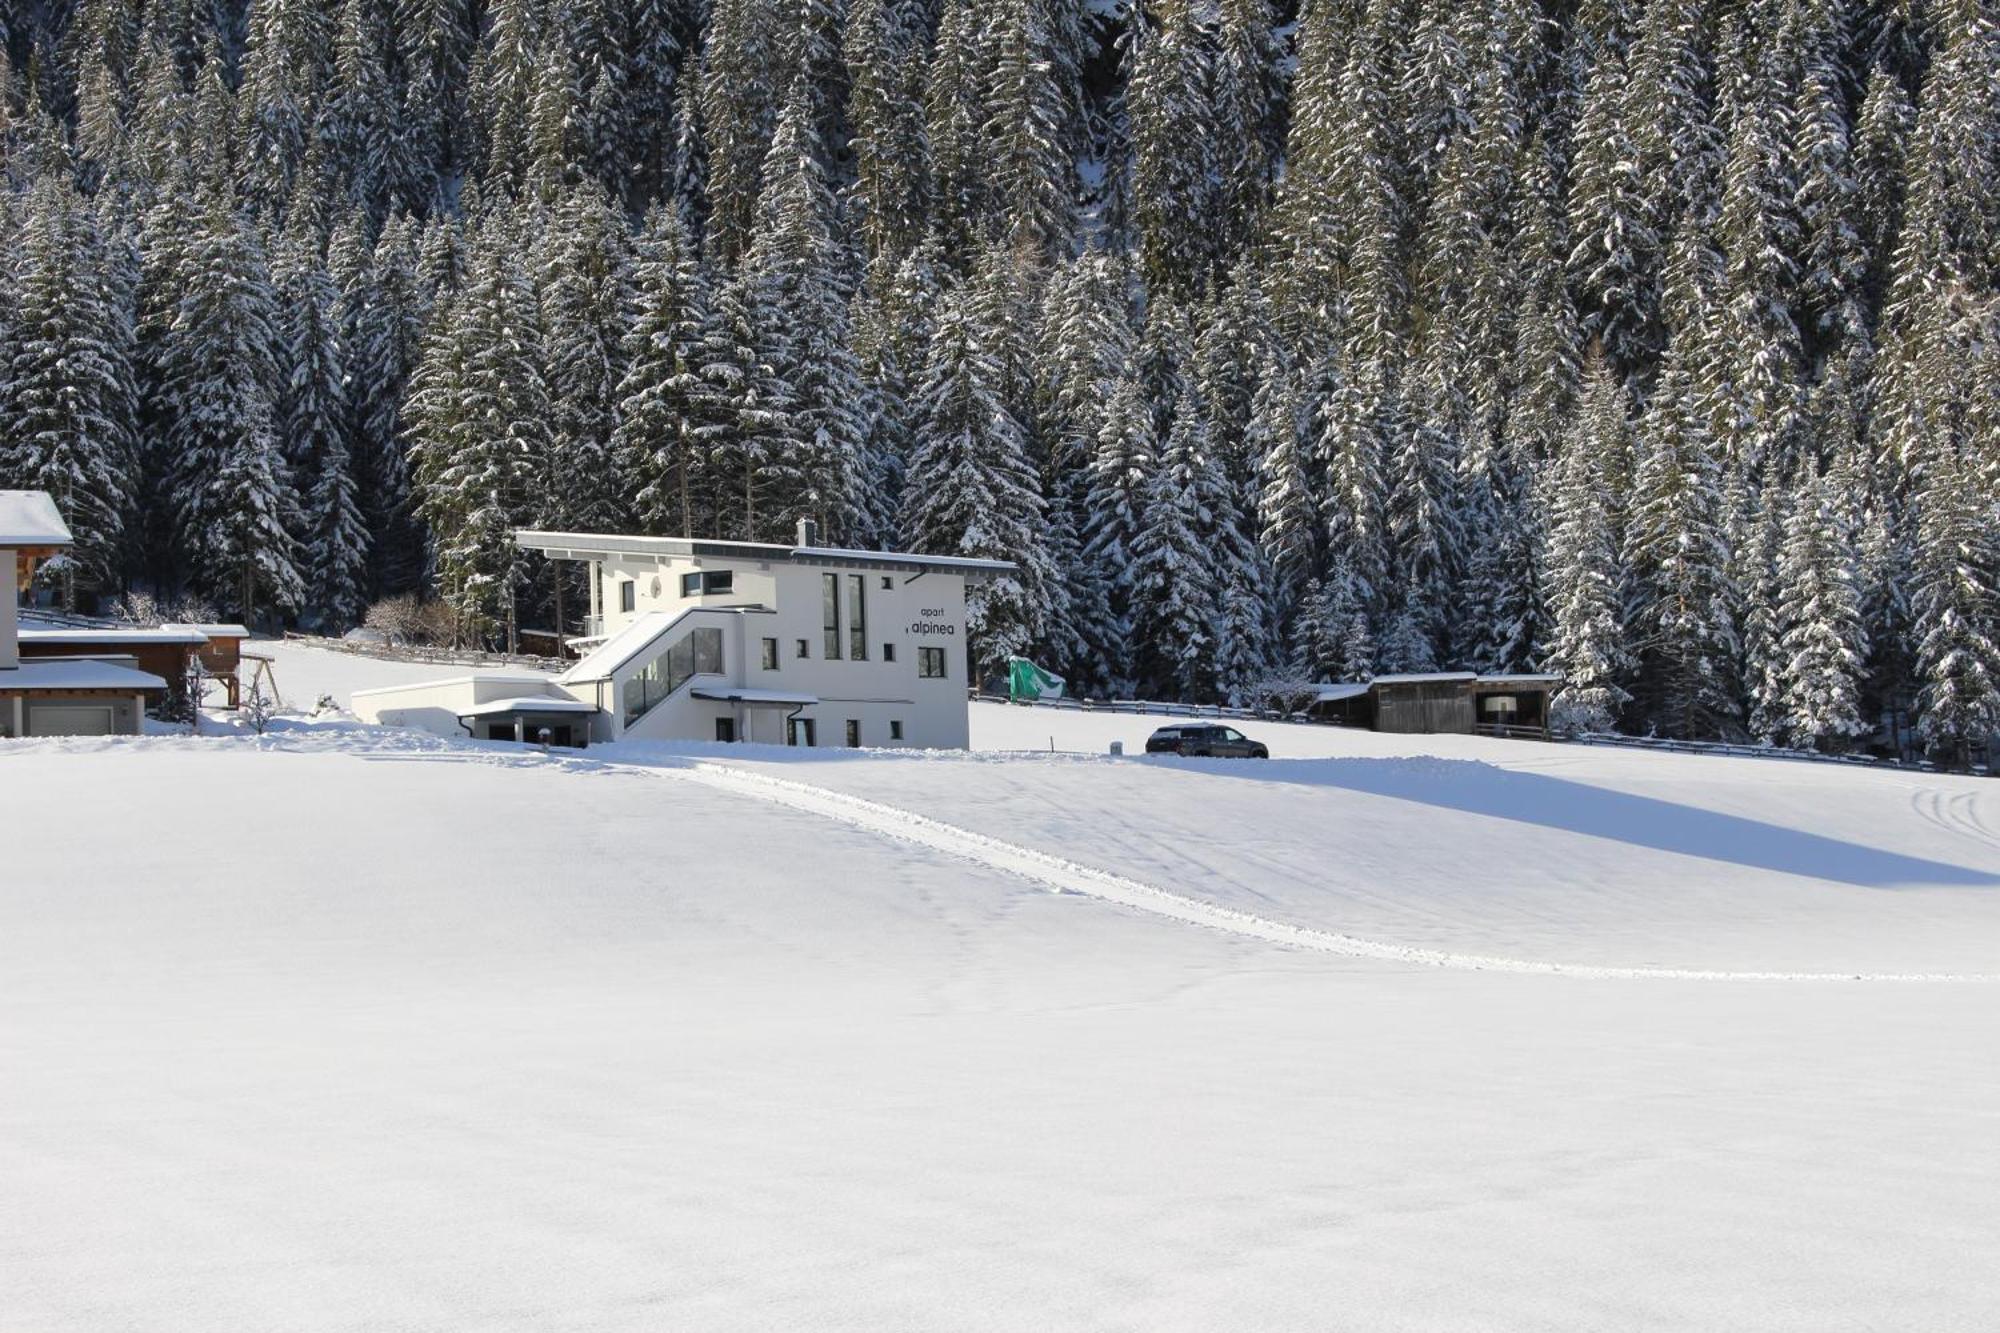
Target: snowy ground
(347,1029)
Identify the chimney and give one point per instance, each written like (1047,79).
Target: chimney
(808,532)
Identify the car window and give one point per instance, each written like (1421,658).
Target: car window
(1232,734)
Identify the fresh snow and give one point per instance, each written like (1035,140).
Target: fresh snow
(349,1028)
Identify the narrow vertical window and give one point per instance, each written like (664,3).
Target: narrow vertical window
(857,617)
(770,662)
(830,612)
(853,733)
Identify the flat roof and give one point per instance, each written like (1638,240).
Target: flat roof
(1427,678)
(115,637)
(530,703)
(587,545)
(65,673)
(30,518)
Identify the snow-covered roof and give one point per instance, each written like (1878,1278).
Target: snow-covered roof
(1523,679)
(594,545)
(30,518)
(115,637)
(77,673)
(217,631)
(603,661)
(1346,689)
(739,695)
(1427,678)
(529,703)
(475,678)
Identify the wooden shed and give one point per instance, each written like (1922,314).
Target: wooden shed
(1424,703)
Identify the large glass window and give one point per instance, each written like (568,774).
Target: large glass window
(830,613)
(707,581)
(930,663)
(857,617)
(697,652)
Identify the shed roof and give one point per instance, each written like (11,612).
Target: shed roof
(1428,678)
(116,638)
(1344,689)
(1523,680)
(30,518)
(591,545)
(77,673)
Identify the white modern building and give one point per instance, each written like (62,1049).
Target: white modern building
(81,695)
(731,641)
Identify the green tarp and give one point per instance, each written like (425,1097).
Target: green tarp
(1025,680)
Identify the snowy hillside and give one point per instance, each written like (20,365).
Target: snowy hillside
(354,1029)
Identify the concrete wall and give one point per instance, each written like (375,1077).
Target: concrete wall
(435,705)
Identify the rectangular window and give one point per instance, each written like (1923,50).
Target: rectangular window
(830,613)
(697,582)
(853,733)
(628,595)
(887,583)
(888,652)
(857,617)
(770,662)
(801,732)
(895,728)
(805,648)
(698,651)
(725,729)
(930,663)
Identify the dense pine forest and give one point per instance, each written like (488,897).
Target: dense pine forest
(1649,341)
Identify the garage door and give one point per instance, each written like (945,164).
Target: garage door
(71,720)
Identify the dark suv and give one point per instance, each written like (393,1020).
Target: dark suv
(1205,740)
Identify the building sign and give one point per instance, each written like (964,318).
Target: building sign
(930,620)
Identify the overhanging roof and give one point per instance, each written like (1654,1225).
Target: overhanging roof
(30,518)
(596,545)
(63,673)
(740,695)
(1347,689)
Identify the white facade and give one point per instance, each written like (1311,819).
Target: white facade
(83,696)
(735,641)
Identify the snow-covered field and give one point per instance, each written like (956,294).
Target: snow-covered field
(349,1029)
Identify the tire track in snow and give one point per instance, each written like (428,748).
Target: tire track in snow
(1064,876)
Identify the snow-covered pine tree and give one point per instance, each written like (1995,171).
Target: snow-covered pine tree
(1681,612)
(233,495)
(315,424)
(1175,605)
(658,444)
(66,384)
(741,81)
(1173,137)
(972,491)
(1030,110)
(796,265)
(1125,457)
(1580,569)
(478,423)
(1956,590)
(584,282)
(884,48)
(1823,641)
